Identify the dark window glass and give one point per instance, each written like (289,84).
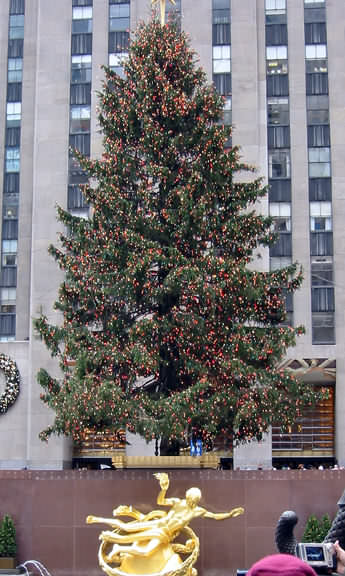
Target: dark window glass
(314,14)
(279,163)
(320,189)
(319,66)
(10,229)
(81,2)
(278,137)
(221,5)
(81,43)
(15,48)
(317,117)
(14,92)
(76,198)
(221,34)
(13,137)
(77,177)
(11,183)
(7,324)
(17,6)
(80,142)
(81,93)
(9,276)
(278,85)
(279,190)
(276,35)
(276,18)
(321,243)
(316,84)
(278,111)
(222,83)
(315,33)
(83,26)
(318,135)
(322,274)
(323,328)
(322,299)
(282,247)
(118,41)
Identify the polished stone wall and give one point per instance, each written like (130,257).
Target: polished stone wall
(50,508)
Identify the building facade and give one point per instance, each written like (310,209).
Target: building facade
(280,66)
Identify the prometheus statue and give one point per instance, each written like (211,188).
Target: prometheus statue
(146,544)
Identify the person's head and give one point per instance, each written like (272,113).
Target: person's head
(193,496)
(281,565)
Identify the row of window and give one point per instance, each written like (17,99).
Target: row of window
(9,241)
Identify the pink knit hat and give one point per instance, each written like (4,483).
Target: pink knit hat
(281,565)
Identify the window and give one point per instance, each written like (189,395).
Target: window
(17,7)
(82,2)
(281,213)
(317,84)
(76,199)
(317,110)
(7,326)
(11,183)
(12,162)
(15,48)
(116,62)
(279,190)
(319,162)
(278,85)
(13,136)
(276,34)
(119,16)
(14,92)
(315,51)
(276,53)
(315,33)
(322,299)
(316,66)
(10,206)
(282,247)
(80,93)
(16,28)
(221,59)
(320,189)
(82,13)
(278,111)
(9,259)
(227,111)
(8,277)
(278,137)
(320,216)
(321,244)
(81,69)
(8,295)
(80,119)
(275,6)
(221,30)
(276,263)
(222,83)
(309,2)
(118,41)
(15,69)
(81,44)
(13,113)
(80,142)
(318,135)
(81,26)
(323,328)
(276,67)
(279,163)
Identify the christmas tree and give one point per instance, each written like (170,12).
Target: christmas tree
(166,328)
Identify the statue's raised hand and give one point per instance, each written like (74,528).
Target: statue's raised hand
(163,479)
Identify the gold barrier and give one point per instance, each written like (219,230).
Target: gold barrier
(120,460)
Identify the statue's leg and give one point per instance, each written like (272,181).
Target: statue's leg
(133,550)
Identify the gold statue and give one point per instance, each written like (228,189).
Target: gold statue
(146,545)
(162,3)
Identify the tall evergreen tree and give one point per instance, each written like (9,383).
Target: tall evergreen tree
(165,326)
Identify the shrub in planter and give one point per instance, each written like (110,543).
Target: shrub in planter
(8,543)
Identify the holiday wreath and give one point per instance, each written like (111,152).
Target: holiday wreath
(10,394)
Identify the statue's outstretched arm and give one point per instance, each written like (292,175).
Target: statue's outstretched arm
(222,516)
